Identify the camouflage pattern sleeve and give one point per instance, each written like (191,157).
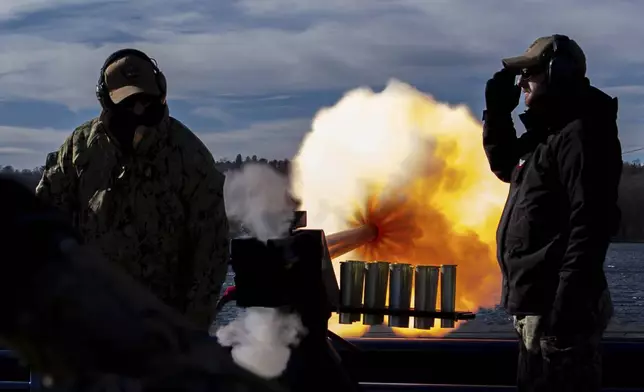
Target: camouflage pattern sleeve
(209,230)
(58,182)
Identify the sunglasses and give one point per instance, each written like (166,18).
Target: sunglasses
(144,99)
(529,73)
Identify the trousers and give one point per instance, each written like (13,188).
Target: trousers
(546,366)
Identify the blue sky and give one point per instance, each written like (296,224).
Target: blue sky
(247,76)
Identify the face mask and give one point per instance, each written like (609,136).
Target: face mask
(123,121)
(152,115)
(122,124)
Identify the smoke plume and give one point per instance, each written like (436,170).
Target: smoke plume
(257,196)
(261,339)
(414,168)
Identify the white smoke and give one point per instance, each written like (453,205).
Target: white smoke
(261,340)
(257,197)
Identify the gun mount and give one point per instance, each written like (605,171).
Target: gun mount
(295,273)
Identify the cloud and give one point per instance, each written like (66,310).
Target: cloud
(222,56)
(412,40)
(27,147)
(16,151)
(278,139)
(626,90)
(213,112)
(12,9)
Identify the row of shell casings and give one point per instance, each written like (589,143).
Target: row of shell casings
(365,285)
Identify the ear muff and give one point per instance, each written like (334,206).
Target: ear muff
(562,68)
(102,92)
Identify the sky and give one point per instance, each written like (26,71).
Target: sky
(249,75)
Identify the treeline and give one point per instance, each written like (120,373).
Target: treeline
(631,203)
(631,192)
(225,165)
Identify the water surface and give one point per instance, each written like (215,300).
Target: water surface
(624,268)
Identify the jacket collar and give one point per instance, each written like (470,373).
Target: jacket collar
(144,137)
(559,110)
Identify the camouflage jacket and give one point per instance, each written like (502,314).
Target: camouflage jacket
(159,212)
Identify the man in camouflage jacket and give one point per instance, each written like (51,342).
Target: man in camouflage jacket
(144,190)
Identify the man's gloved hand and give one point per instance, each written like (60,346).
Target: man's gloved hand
(501,93)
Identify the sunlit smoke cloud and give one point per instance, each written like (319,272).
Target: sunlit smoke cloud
(261,340)
(257,197)
(414,168)
(351,152)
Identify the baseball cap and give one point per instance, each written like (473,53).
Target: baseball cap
(130,75)
(539,53)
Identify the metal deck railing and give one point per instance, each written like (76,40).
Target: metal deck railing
(397,365)
(33,384)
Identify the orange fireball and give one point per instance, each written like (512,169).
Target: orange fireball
(414,168)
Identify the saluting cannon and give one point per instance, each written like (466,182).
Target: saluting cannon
(295,274)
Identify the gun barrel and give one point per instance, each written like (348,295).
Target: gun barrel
(345,241)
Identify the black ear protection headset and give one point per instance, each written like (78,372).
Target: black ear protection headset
(102,91)
(562,70)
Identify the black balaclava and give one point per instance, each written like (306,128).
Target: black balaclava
(123,121)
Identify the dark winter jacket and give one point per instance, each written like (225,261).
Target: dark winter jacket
(562,210)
